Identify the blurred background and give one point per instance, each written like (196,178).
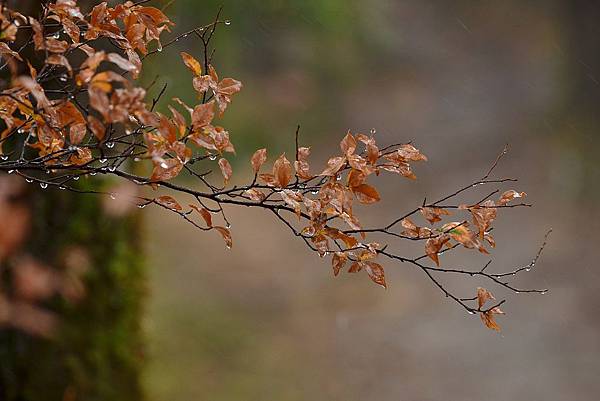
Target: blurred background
(267,320)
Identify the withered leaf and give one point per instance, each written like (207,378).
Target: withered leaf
(376,273)
(168,202)
(483,296)
(510,195)
(282,171)
(191,63)
(366,194)
(432,214)
(225,169)
(338,261)
(489,320)
(433,247)
(226,234)
(204,213)
(258,159)
(334,165)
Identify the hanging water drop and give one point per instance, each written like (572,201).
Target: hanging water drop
(4,157)
(76,178)
(228,225)
(112,169)
(136,159)
(314,191)
(43,185)
(62,188)
(113,196)
(373,131)
(93,173)
(471,312)
(212,157)
(143,205)
(63,78)
(11,171)
(110,145)
(28,180)
(227,22)
(102,161)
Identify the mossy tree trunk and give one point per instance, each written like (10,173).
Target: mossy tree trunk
(96,352)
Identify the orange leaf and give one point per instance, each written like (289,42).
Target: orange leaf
(225,169)
(489,320)
(376,273)
(258,159)
(169,202)
(226,234)
(433,246)
(204,213)
(366,194)
(338,261)
(191,63)
(282,170)
(432,214)
(334,165)
(483,296)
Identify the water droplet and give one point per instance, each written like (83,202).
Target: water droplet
(63,78)
(11,171)
(113,196)
(159,49)
(4,157)
(62,188)
(56,35)
(228,225)
(112,169)
(528,269)
(314,192)
(373,131)
(471,312)
(227,22)
(20,131)
(142,206)
(136,159)
(127,131)
(43,185)
(212,157)
(29,180)
(517,292)
(102,161)
(110,145)
(543,292)
(76,178)
(93,173)
(338,177)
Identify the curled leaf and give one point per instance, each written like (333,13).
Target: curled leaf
(226,234)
